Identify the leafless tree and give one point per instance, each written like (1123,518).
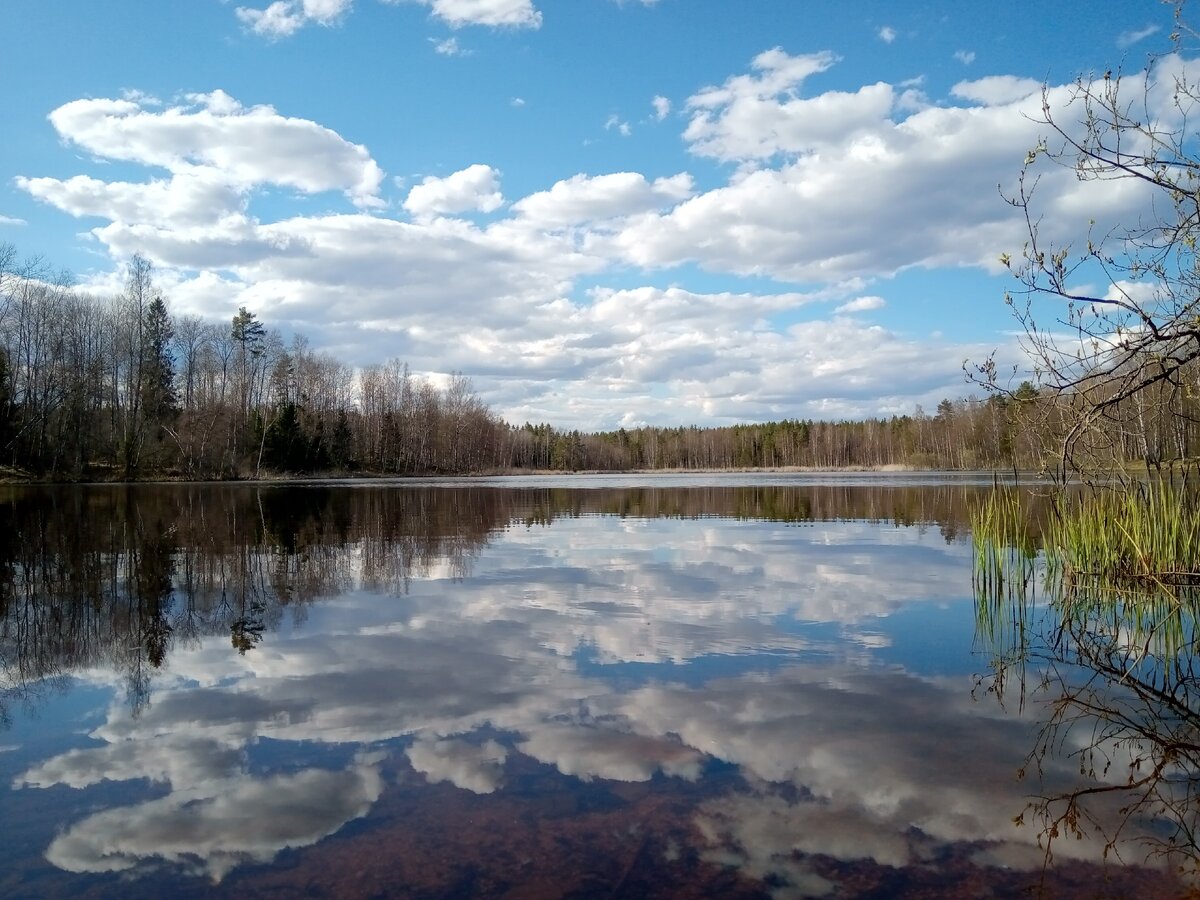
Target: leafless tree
(1119,350)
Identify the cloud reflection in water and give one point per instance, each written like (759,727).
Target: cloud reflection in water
(840,755)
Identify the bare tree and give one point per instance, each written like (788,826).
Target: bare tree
(1122,347)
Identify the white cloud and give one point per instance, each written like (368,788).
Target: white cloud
(614,121)
(473,189)
(662,107)
(495,13)
(1143,293)
(585,198)
(285,17)
(1134,36)
(857,190)
(517,102)
(966,57)
(650,354)
(215,137)
(862,304)
(887,34)
(186,200)
(449,47)
(10,220)
(995,90)
(824,203)
(759,117)
(714,356)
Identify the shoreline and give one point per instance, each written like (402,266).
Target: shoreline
(12,477)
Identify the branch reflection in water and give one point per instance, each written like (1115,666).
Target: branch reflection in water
(1107,665)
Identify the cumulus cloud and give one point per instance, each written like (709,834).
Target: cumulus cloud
(966,57)
(887,34)
(862,304)
(833,185)
(827,192)
(715,355)
(495,13)
(758,116)
(473,189)
(996,90)
(587,198)
(662,107)
(10,220)
(285,17)
(215,138)
(186,200)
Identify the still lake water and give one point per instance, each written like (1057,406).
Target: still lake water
(734,686)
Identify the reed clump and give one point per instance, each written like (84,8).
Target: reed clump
(1120,564)
(1149,533)
(1002,537)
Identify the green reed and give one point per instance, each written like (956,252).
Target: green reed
(1004,573)
(1120,565)
(1149,533)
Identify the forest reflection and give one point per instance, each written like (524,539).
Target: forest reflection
(117,576)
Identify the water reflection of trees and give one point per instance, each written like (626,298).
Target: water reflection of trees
(115,576)
(944,505)
(1110,671)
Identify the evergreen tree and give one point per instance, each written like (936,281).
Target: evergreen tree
(250,336)
(159,399)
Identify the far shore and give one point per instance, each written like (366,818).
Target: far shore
(9,475)
(13,476)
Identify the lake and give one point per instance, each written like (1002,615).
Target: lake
(595,686)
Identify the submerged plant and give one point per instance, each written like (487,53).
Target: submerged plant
(1005,561)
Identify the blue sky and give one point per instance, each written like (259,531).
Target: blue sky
(605,213)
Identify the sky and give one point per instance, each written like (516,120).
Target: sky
(604,212)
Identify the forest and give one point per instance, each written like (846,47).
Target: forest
(120,388)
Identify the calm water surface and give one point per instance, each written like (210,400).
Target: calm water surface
(733,687)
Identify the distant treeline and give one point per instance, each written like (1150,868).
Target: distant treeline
(961,435)
(120,388)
